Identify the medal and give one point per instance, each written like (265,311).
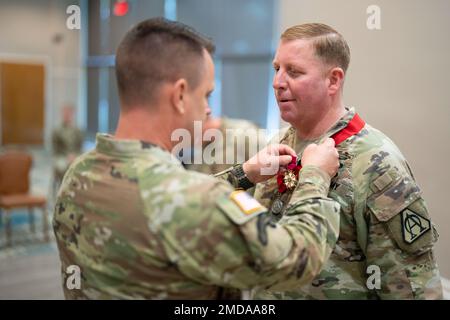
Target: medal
(287,180)
(290,179)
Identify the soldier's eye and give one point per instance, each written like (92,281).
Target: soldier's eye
(294,73)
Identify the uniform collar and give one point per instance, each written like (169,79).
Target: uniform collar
(341,124)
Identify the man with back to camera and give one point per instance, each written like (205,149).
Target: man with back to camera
(138,225)
(386,238)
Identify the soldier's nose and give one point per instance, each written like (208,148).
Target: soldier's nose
(278,83)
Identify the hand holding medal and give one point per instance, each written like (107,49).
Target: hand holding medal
(324,156)
(267,162)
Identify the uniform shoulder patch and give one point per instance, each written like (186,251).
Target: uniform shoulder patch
(247,203)
(240,207)
(414,226)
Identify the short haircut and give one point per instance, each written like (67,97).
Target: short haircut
(329,45)
(156,51)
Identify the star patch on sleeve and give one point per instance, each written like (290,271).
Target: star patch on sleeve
(414,226)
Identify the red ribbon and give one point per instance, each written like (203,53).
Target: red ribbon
(353,127)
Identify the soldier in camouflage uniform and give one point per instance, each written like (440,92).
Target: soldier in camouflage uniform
(138,225)
(67,141)
(385,225)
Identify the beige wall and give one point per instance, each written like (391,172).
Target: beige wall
(27,29)
(399,82)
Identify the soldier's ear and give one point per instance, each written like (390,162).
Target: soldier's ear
(178,95)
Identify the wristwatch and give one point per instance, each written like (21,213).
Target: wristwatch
(241,178)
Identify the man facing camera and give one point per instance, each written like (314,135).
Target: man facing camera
(136,224)
(386,238)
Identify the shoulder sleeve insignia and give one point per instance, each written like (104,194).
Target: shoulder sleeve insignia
(240,207)
(246,203)
(414,225)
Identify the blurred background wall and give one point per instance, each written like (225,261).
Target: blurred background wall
(243,32)
(34,33)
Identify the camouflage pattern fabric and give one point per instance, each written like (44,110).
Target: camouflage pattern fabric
(65,140)
(384,223)
(140,226)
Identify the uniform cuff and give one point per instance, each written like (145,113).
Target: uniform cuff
(313,182)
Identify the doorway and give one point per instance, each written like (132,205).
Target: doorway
(22,92)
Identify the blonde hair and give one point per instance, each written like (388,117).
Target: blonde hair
(329,45)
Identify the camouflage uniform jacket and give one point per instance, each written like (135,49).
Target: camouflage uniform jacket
(65,140)
(384,224)
(138,225)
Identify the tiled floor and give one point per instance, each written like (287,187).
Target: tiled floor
(30,269)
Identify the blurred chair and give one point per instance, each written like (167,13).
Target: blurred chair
(14,190)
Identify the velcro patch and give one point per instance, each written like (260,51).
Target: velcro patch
(414,225)
(246,203)
(240,207)
(400,195)
(383,181)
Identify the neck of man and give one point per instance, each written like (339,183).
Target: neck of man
(140,124)
(311,128)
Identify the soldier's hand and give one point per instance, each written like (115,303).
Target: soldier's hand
(266,163)
(324,156)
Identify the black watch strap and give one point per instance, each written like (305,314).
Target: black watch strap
(242,180)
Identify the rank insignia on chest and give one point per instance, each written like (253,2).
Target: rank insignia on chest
(414,225)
